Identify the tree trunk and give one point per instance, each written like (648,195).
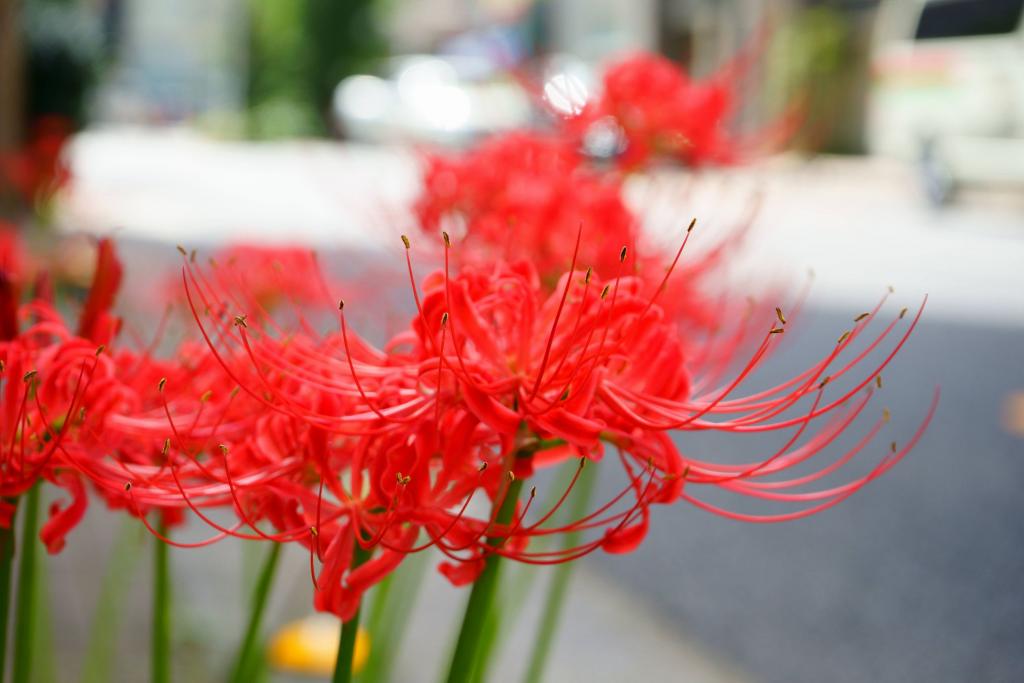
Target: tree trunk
(11,90)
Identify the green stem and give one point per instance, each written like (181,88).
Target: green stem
(513,591)
(247,653)
(393,600)
(482,596)
(24,616)
(558,588)
(160,655)
(98,661)
(349,630)
(6,560)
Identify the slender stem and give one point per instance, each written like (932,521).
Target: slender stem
(349,630)
(482,596)
(98,661)
(24,616)
(44,669)
(558,588)
(247,653)
(6,560)
(393,601)
(514,587)
(160,655)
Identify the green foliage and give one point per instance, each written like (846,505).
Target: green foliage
(299,50)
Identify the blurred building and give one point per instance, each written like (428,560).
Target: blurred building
(173,61)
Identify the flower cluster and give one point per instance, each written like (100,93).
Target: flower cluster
(526,196)
(38,170)
(660,112)
(347,449)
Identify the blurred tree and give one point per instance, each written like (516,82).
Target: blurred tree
(822,55)
(62,51)
(299,51)
(10,75)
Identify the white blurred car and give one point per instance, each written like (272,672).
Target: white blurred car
(949,91)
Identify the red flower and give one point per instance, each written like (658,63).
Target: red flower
(37,171)
(525,196)
(497,377)
(660,112)
(270,276)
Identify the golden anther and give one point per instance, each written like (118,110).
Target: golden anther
(824,382)
(586,278)
(903,313)
(30,375)
(127,486)
(693,222)
(100,349)
(622,255)
(604,292)
(892,447)
(779,315)
(843,337)
(181,250)
(447,239)
(207,395)
(444,319)
(405,241)
(861,317)
(223,449)
(878,381)
(776,330)
(511,476)
(161,384)
(167,446)
(313,531)
(240,321)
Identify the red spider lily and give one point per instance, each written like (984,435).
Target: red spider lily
(660,112)
(270,275)
(37,171)
(524,196)
(53,384)
(13,258)
(497,377)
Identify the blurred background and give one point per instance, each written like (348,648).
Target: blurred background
(204,122)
